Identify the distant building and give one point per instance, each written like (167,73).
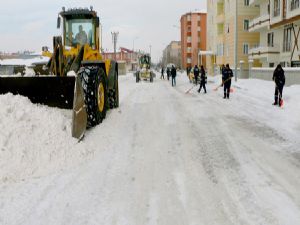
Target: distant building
(172,54)
(278,24)
(221,32)
(193,37)
(125,55)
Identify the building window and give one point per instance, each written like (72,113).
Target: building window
(189,39)
(189,50)
(189,18)
(246,25)
(294,4)
(246,2)
(276,11)
(199,18)
(245,48)
(199,29)
(189,60)
(189,29)
(220,50)
(287,39)
(271,39)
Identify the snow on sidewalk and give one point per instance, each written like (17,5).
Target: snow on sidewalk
(253,98)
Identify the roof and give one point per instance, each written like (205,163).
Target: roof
(79,12)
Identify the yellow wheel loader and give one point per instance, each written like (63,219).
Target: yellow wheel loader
(91,90)
(144,71)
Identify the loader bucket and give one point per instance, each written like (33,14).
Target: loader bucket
(48,90)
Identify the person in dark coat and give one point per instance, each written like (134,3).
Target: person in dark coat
(279,79)
(226,80)
(203,79)
(168,73)
(222,72)
(162,73)
(173,73)
(196,73)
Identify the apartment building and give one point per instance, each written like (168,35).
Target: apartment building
(193,37)
(172,54)
(278,23)
(221,32)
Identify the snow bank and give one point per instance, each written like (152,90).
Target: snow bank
(35,140)
(26,62)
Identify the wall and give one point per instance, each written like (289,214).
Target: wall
(292,75)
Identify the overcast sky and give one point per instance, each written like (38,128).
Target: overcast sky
(31,24)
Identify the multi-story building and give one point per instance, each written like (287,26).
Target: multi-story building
(221,15)
(172,54)
(278,23)
(193,37)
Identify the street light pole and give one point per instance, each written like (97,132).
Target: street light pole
(236,40)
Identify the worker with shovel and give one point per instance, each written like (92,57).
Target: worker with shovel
(279,79)
(226,80)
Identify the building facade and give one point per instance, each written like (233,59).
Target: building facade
(193,37)
(221,15)
(129,57)
(172,54)
(278,23)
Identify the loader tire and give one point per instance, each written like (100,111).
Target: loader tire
(116,91)
(113,94)
(95,93)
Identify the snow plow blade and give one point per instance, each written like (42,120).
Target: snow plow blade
(79,116)
(47,90)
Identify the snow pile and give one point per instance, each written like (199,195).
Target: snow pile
(26,62)
(35,140)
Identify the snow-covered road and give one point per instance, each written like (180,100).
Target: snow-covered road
(169,158)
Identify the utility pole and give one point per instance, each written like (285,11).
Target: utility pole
(115,40)
(236,39)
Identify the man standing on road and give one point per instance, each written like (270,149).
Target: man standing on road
(162,73)
(168,73)
(196,73)
(228,74)
(223,73)
(203,79)
(279,79)
(173,73)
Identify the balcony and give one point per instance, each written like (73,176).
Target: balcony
(264,52)
(293,9)
(259,23)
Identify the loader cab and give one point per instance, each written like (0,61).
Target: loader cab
(145,61)
(80,27)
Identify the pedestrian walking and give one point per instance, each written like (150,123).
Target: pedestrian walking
(223,73)
(203,80)
(173,73)
(188,70)
(162,73)
(228,74)
(196,74)
(168,73)
(279,79)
